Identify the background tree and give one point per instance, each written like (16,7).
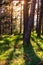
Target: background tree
(42,14)
(39,22)
(39,17)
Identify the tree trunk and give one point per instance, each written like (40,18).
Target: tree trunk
(40,19)
(25,19)
(42,26)
(0,27)
(21,20)
(30,23)
(42,15)
(11,17)
(37,21)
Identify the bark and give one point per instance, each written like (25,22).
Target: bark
(25,19)
(25,16)
(30,23)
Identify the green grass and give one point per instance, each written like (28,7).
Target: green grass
(12,51)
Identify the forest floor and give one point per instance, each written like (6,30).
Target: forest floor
(12,51)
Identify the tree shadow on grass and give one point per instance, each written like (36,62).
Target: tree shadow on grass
(38,37)
(30,56)
(4,45)
(38,44)
(12,55)
(40,62)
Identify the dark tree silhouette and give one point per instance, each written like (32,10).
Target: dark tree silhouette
(25,17)
(30,23)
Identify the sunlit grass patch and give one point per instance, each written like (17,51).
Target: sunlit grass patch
(5,55)
(37,45)
(41,36)
(38,50)
(2,41)
(19,60)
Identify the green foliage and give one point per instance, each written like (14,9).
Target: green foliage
(13,52)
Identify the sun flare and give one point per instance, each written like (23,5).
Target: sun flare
(22,2)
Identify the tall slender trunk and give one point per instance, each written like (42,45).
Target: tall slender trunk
(11,17)
(37,21)
(42,26)
(21,20)
(0,27)
(42,15)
